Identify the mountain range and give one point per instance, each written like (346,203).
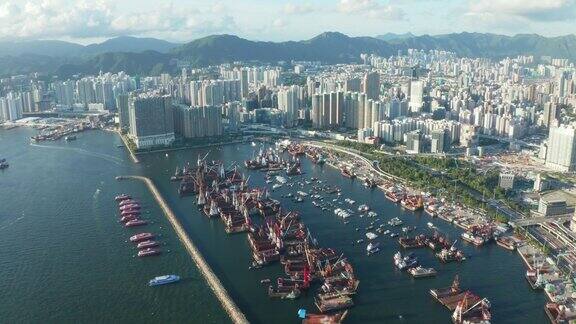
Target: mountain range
(149,56)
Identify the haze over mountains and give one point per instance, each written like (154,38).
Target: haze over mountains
(152,56)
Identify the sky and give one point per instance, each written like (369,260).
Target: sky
(88,21)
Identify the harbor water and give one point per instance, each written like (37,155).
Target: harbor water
(65,258)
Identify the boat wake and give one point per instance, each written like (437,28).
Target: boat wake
(106,157)
(9,223)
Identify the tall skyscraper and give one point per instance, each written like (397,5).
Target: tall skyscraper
(86,93)
(371,85)
(352,85)
(336,108)
(317,110)
(328,110)
(244,83)
(416,94)
(561,152)
(64,93)
(289,103)
(123,111)
(151,120)
(551,114)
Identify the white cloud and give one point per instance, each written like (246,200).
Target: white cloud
(371,8)
(536,10)
(279,23)
(298,9)
(46,19)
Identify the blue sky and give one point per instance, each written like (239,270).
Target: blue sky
(86,21)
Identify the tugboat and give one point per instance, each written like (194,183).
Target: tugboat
(163,280)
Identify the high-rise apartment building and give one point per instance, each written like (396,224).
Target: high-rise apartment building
(151,120)
(371,85)
(561,152)
(197,122)
(416,96)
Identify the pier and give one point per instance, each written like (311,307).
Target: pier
(221,293)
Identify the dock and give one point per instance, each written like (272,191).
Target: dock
(215,284)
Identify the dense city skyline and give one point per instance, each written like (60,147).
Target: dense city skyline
(288,161)
(179,21)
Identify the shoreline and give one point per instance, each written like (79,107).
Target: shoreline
(189,147)
(132,155)
(215,284)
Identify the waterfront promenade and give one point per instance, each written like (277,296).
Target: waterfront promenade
(221,293)
(132,154)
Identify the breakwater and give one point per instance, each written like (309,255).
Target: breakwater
(227,302)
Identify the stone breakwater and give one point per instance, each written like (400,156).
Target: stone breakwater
(229,305)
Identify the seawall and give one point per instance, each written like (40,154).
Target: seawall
(221,293)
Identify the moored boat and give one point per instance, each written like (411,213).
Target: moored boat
(148,252)
(141,237)
(122,197)
(147,244)
(136,222)
(420,272)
